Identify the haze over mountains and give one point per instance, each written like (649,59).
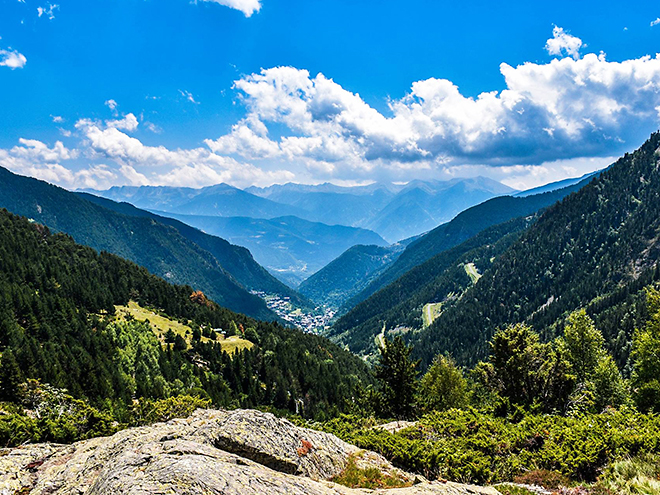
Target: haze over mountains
(170,249)
(290,247)
(295,230)
(394,211)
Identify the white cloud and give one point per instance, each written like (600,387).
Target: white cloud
(162,166)
(248,7)
(12,59)
(656,22)
(567,108)
(49,11)
(550,122)
(188,96)
(128,123)
(34,158)
(57,119)
(112,105)
(563,43)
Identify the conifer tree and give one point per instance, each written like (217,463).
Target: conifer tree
(397,374)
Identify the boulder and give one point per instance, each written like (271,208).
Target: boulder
(211,452)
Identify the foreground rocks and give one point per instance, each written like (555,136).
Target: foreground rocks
(212,452)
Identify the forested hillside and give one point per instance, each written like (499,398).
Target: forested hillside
(292,248)
(461,228)
(237,259)
(596,242)
(162,249)
(58,324)
(413,300)
(348,274)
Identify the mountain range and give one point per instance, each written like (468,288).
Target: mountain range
(591,245)
(394,211)
(289,247)
(166,247)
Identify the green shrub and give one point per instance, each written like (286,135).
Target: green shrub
(470,446)
(355,477)
(147,411)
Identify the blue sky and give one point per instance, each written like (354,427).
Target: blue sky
(101,92)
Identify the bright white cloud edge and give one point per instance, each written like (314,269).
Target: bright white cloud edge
(555,120)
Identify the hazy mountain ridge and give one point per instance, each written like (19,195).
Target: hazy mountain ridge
(465,225)
(394,211)
(158,247)
(290,247)
(239,259)
(349,273)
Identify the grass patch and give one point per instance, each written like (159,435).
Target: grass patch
(161,324)
(507,489)
(430,312)
(354,477)
(635,476)
(472,272)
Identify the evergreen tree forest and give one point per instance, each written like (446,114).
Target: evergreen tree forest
(58,329)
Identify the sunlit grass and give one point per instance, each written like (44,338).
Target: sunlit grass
(161,325)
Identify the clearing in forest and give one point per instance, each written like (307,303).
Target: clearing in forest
(162,324)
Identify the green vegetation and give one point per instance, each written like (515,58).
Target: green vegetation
(167,248)
(632,476)
(59,325)
(163,325)
(472,272)
(440,280)
(430,312)
(590,250)
(464,226)
(355,477)
(470,446)
(347,275)
(556,414)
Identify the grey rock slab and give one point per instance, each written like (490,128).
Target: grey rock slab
(211,452)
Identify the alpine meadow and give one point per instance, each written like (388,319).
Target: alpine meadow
(257,247)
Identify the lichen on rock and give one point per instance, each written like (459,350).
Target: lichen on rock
(211,452)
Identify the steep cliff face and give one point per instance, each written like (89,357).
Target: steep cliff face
(212,452)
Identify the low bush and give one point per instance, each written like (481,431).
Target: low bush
(469,446)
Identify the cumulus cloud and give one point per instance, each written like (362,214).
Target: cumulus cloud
(552,120)
(563,43)
(36,159)
(12,59)
(656,22)
(570,107)
(128,123)
(248,7)
(162,166)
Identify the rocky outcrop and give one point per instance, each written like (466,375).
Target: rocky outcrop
(212,452)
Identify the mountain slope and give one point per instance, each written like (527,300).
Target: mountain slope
(422,206)
(236,260)
(346,275)
(395,211)
(158,247)
(290,247)
(415,299)
(465,225)
(592,243)
(330,204)
(553,186)
(62,323)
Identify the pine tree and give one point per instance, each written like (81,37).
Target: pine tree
(397,374)
(10,377)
